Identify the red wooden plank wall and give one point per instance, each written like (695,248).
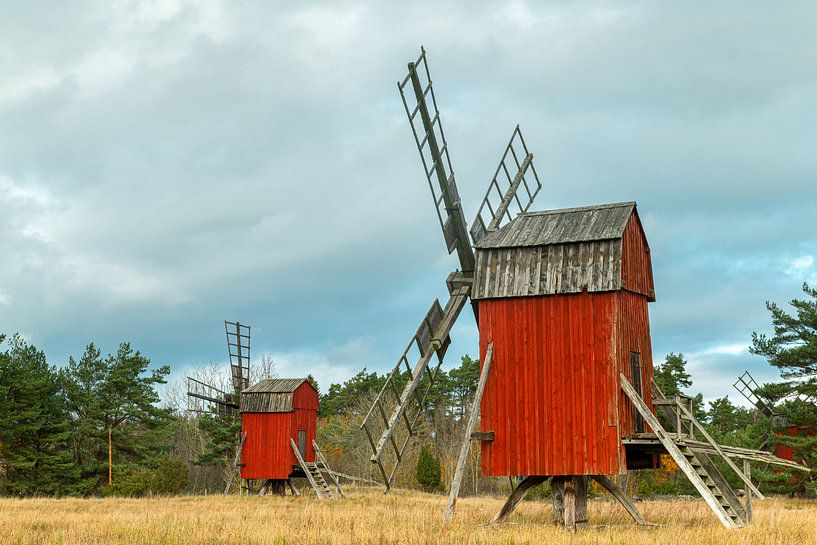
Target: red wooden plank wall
(267,453)
(551,395)
(633,336)
(553,399)
(636,265)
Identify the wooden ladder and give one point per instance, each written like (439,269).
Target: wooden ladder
(322,488)
(323,466)
(712,492)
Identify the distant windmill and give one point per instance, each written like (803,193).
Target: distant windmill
(206,398)
(748,388)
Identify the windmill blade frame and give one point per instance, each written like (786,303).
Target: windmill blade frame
(238,348)
(747,386)
(205,398)
(433,149)
(432,337)
(512,170)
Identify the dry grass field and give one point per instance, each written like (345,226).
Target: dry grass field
(370,517)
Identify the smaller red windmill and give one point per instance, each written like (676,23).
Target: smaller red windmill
(278,424)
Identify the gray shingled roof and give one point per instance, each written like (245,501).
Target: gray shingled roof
(275,386)
(602,222)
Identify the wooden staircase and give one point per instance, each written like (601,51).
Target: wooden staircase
(696,465)
(314,472)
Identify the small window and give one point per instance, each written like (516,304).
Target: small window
(635,367)
(302,442)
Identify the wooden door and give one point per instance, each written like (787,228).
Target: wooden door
(302,442)
(635,367)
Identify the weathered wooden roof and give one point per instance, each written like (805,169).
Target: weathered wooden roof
(567,225)
(270,395)
(275,385)
(594,249)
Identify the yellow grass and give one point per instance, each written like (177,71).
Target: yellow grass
(370,517)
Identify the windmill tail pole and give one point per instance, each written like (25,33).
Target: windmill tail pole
(472,419)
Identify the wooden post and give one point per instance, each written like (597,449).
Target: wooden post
(580,486)
(110,457)
(517,496)
(557,484)
(748,472)
(472,418)
(570,504)
(621,495)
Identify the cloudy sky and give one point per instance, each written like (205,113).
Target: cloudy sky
(168,165)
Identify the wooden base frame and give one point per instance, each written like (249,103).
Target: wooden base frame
(569,499)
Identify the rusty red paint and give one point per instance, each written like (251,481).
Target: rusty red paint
(636,263)
(267,453)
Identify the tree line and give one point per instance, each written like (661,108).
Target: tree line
(60,425)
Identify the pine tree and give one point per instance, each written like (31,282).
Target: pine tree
(34,427)
(116,394)
(793,350)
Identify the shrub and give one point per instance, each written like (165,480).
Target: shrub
(429,473)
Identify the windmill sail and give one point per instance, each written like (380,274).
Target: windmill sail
(747,386)
(502,199)
(238,347)
(204,398)
(393,417)
(426,125)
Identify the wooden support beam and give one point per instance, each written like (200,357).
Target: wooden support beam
(622,497)
(747,470)
(570,501)
(454,489)
(292,488)
(236,462)
(517,496)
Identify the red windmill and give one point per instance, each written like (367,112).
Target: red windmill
(560,296)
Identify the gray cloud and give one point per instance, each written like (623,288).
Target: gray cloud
(164,166)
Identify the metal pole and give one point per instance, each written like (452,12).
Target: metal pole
(110,457)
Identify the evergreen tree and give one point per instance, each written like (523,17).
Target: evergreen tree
(115,395)
(429,473)
(793,350)
(462,385)
(34,428)
(671,376)
(344,397)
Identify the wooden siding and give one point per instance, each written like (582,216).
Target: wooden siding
(558,268)
(633,335)
(267,452)
(636,266)
(552,398)
(594,266)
